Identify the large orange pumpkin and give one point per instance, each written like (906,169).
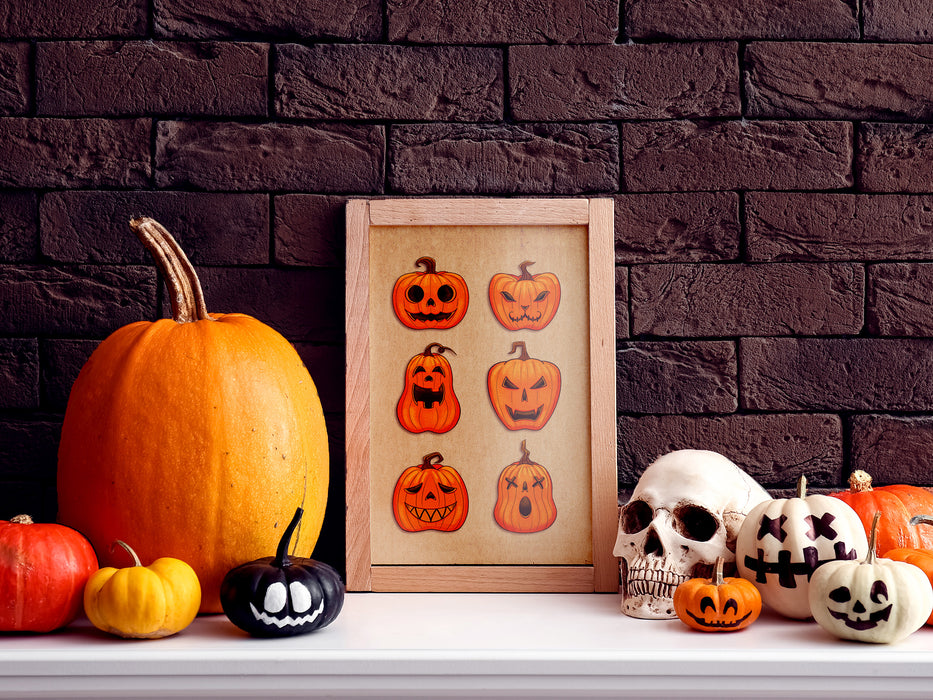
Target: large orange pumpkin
(921,558)
(430,496)
(525,499)
(191,436)
(897,503)
(524,301)
(523,391)
(430,299)
(428,401)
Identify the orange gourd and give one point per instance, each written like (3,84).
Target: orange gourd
(921,558)
(524,301)
(523,391)
(430,299)
(428,402)
(430,496)
(717,604)
(191,436)
(525,496)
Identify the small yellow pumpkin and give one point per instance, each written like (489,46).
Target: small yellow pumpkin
(143,602)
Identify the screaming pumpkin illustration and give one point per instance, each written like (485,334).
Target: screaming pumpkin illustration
(523,391)
(430,299)
(430,496)
(525,501)
(525,301)
(428,402)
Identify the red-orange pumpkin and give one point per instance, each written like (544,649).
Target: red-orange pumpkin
(191,436)
(428,401)
(523,391)
(43,570)
(921,558)
(524,301)
(430,299)
(430,496)
(525,498)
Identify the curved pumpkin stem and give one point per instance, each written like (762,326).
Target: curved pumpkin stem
(526,455)
(917,520)
(129,549)
(873,538)
(440,349)
(281,553)
(523,266)
(182,281)
(429,265)
(524,351)
(432,460)
(859,481)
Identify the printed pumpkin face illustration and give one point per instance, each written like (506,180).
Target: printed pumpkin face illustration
(525,301)
(525,501)
(428,402)
(430,299)
(430,496)
(523,391)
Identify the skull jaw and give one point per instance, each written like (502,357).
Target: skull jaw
(650,596)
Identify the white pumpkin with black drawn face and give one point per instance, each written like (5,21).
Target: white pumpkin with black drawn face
(783,541)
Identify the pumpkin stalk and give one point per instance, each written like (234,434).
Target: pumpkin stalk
(429,265)
(22,519)
(859,481)
(182,282)
(872,538)
(526,455)
(802,486)
(524,268)
(281,554)
(441,349)
(129,549)
(922,520)
(432,460)
(717,579)
(523,356)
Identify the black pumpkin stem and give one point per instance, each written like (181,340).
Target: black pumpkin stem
(281,554)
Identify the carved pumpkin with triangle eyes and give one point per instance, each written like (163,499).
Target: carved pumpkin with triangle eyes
(525,501)
(523,391)
(430,496)
(525,301)
(430,299)
(428,401)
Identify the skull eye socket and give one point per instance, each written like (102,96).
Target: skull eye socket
(695,523)
(414,294)
(636,516)
(840,595)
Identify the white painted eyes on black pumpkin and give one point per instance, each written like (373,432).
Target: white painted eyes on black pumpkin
(275,598)
(840,595)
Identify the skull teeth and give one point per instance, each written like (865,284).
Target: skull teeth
(653,582)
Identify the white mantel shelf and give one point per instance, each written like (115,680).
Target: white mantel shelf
(469,646)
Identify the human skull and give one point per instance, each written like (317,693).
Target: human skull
(685,512)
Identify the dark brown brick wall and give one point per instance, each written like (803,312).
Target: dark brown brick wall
(771,166)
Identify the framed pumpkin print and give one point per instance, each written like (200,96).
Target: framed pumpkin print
(480,404)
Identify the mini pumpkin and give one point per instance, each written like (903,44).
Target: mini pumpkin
(876,600)
(430,299)
(43,570)
(143,602)
(523,391)
(430,496)
(525,496)
(282,596)
(782,541)
(524,301)
(921,558)
(717,604)
(428,401)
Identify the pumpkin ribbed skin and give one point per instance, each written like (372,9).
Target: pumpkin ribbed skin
(190,440)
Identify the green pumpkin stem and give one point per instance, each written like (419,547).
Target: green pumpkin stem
(873,538)
(129,549)
(281,554)
(184,288)
(523,356)
(524,268)
(802,486)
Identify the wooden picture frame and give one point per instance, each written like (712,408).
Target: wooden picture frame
(385,236)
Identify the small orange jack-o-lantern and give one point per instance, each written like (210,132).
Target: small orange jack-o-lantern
(430,299)
(428,401)
(523,391)
(430,496)
(525,301)
(525,501)
(717,604)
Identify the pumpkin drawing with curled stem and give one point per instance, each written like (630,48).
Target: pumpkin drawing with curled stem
(428,401)
(430,496)
(525,498)
(523,391)
(430,299)
(524,301)
(717,604)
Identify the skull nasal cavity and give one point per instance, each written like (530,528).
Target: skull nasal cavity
(695,523)
(653,544)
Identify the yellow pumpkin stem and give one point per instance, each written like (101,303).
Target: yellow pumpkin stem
(177,271)
(859,481)
(717,579)
(802,486)
(129,549)
(21,519)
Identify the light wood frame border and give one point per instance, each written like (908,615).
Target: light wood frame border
(598,216)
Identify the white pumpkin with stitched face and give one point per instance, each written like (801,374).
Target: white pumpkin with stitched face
(783,541)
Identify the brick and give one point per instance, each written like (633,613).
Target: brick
(341,81)
(19,230)
(677,227)
(326,365)
(61,362)
(14,78)
(73,19)
(894,157)
(19,373)
(506,159)
(900,299)
(724,300)
(722,155)
(833,226)
(213,229)
(810,80)
(893,449)
(142,77)
(82,301)
(28,450)
(310,230)
(752,19)
(74,152)
(897,20)
(676,377)
(516,22)
(837,374)
(630,81)
(242,157)
(622,316)
(775,449)
(359,20)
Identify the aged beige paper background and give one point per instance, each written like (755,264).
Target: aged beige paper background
(480,447)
